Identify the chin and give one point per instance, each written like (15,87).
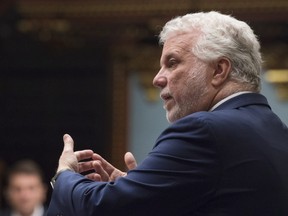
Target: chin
(171,118)
(168,117)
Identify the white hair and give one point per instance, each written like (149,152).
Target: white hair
(221,36)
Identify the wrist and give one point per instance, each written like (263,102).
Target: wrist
(59,171)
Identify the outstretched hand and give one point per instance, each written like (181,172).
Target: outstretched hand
(69,159)
(101,169)
(104,171)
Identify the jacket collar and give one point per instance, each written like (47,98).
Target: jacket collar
(244,100)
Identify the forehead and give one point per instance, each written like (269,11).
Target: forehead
(179,44)
(23,178)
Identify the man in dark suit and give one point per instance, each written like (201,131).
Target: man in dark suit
(25,191)
(225,152)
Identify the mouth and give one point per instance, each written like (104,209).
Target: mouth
(165,96)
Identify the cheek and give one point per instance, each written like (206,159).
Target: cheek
(190,90)
(177,81)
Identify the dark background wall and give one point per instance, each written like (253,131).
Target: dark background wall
(47,90)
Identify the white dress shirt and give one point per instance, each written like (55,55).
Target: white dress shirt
(227,98)
(38,211)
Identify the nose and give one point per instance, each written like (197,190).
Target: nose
(160,81)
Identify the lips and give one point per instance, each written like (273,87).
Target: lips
(165,96)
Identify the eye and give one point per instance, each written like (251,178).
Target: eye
(172,63)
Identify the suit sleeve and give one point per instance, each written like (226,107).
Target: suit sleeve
(177,177)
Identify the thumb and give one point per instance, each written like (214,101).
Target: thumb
(130,160)
(68,159)
(68,143)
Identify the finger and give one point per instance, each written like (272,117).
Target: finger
(130,160)
(94,177)
(68,159)
(85,166)
(105,164)
(84,154)
(68,143)
(97,166)
(116,174)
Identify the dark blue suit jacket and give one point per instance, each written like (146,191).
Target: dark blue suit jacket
(232,161)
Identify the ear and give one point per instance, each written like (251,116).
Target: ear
(221,72)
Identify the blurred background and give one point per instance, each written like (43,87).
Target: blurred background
(86,67)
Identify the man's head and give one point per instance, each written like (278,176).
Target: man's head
(25,187)
(206,57)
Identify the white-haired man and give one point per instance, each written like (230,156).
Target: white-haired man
(225,152)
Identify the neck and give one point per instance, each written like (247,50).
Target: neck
(229,89)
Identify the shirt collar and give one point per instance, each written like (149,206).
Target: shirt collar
(228,98)
(38,211)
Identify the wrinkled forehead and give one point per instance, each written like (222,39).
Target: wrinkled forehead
(182,38)
(179,44)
